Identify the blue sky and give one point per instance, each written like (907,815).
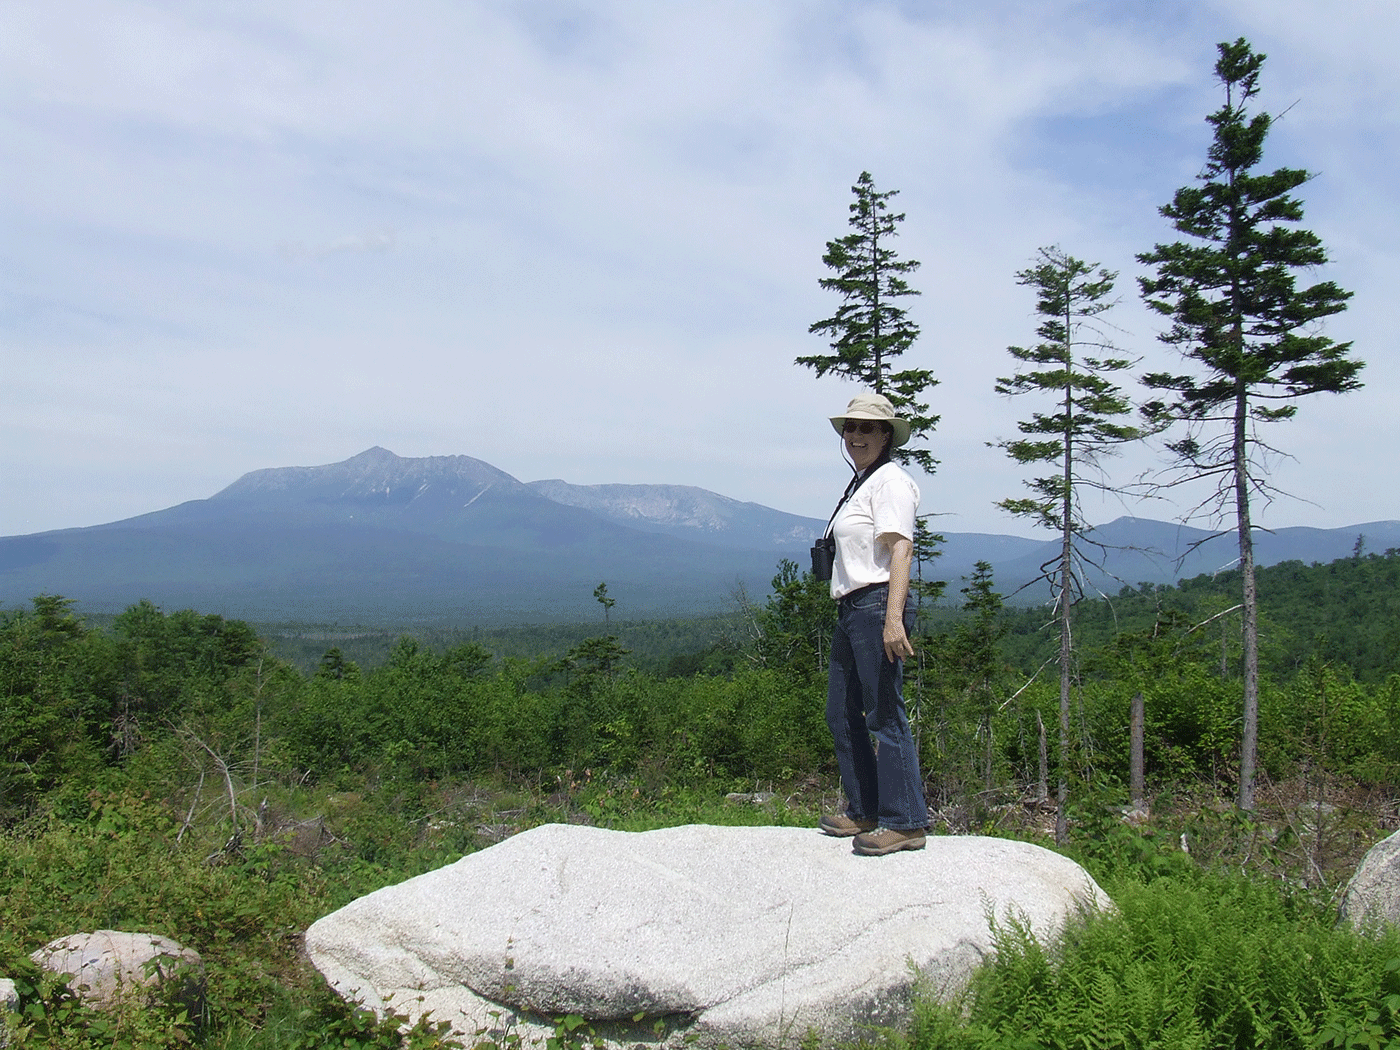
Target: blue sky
(582,239)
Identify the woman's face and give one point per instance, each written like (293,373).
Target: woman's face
(865,440)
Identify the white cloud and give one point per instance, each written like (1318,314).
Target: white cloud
(254,234)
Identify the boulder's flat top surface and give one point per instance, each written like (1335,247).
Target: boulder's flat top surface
(738,935)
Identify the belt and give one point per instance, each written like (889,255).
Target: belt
(860,592)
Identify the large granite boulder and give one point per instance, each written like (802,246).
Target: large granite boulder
(1373,895)
(737,937)
(110,966)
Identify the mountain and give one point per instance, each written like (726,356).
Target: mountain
(383,539)
(689,513)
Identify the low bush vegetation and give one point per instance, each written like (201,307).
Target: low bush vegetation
(166,773)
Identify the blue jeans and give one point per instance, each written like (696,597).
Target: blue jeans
(864,700)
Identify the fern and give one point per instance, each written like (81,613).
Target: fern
(1217,961)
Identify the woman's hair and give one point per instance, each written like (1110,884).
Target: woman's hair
(884,456)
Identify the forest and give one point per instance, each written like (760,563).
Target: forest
(168,772)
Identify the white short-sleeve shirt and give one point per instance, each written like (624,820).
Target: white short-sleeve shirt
(885,504)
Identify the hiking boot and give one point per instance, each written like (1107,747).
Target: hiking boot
(888,840)
(843,827)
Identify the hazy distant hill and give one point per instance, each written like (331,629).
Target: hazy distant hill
(1140,550)
(689,512)
(450,539)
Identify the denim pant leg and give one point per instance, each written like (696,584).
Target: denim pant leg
(845,716)
(864,698)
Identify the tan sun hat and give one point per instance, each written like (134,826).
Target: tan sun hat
(878,408)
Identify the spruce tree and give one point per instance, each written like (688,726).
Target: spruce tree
(871,330)
(1073,365)
(1237,314)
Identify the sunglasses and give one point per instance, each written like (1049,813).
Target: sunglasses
(852,427)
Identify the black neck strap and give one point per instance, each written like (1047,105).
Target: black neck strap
(857,480)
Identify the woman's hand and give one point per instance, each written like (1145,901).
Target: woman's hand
(897,645)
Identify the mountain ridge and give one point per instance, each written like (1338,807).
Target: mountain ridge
(686,510)
(361,476)
(380,538)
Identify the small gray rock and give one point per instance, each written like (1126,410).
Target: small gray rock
(732,936)
(109,965)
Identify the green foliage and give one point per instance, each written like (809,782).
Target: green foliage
(667,647)
(265,797)
(122,867)
(925,589)
(338,1025)
(592,722)
(164,660)
(1190,712)
(52,701)
(75,702)
(52,1016)
(792,632)
(1112,850)
(970,657)
(422,715)
(870,328)
(1346,613)
(955,690)
(1205,961)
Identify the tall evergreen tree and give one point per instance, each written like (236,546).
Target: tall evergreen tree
(871,330)
(1236,312)
(1073,365)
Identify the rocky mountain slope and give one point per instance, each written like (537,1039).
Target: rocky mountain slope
(689,512)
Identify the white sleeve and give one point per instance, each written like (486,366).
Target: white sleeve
(894,503)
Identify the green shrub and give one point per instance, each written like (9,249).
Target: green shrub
(1206,961)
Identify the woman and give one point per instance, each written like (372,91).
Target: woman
(874,532)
